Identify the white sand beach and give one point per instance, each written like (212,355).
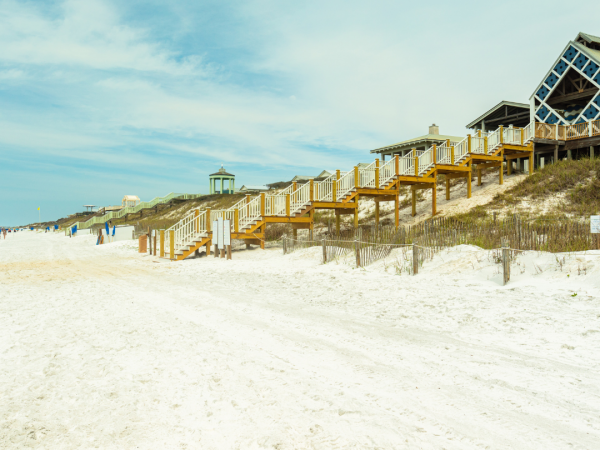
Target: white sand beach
(101,347)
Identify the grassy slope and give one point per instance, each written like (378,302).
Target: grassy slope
(563,190)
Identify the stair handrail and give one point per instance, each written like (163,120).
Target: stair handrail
(186,230)
(345,185)
(407,164)
(366,176)
(494,140)
(387,172)
(249,212)
(461,150)
(443,154)
(426,161)
(300,198)
(528,132)
(324,189)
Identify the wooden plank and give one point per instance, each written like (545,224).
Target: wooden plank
(277,219)
(518,155)
(334,205)
(444,167)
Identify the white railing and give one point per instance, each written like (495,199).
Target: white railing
(324,189)
(478,144)
(249,213)
(275,205)
(344,185)
(186,230)
(512,135)
(443,154)
(528,132)
(461,150)
(493,140)
(300,198)
(407,164)
(387,172)
(366,176)
(425,161)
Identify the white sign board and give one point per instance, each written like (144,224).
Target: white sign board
(227,232)
(595,224)
(220,236)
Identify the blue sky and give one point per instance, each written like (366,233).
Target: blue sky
(100,98)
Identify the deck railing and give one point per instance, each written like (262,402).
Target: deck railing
(249,213)
(324,189)
(344,185)
(387,172)
(186,230)
(366,176)
(300,198)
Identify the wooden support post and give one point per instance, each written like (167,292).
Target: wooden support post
(154,247)
(334,186)
(162,243)
(295,186)
(469,177)
(508,166)
(435,154)
(172,244)
(555,153)
(376,212)
(434,199)
(236,220)
(485,145)
(262,241)
(478,176)
(447,188)
(337,223)
(414,200)
(531,164)
(397,164)
(501,134)
(356,212)
(397,208)
(377,171)
(356,178)
(229,252)
(569,155)
(222,251)
(295,233)
(452,155)
(312,190)
(217,250)
(208,246)
(468,143)
(501,180)
(415,258)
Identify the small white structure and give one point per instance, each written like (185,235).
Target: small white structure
(130,200)
(298,178)
(252,188)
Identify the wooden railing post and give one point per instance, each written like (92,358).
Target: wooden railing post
(236,220)
(356,177)
(397,157)
(312,190)
(485,145)
(197,221)
(162,243)
(262,204)
(501,134)
(377,173)
(468,143)
(247,207)
(522,136)
(416,166)
(435,154)
(172,244)
(415,258)
(335,182)
(287,205)
(452,155)
(208,222)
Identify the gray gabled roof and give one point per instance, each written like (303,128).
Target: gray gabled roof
(495,108)
(419,140)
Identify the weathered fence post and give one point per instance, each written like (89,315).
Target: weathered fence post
(357,250)
(284,242)
(415,257)
(505,261)
(324,251)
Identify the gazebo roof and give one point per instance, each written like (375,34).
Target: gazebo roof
(222,172)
